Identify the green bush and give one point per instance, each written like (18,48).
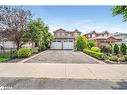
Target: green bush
(123,49)
(81,43)
(125,56)
(116,49)
(24,52)
(121,59)
(91,43)
(97,55)
(96,49)
(113,58)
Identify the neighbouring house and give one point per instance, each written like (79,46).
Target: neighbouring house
(102,38)
(7,44)
(93,34)
(102,41)
(122,35)
(64,39)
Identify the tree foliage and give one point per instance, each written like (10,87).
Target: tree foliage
(123,49)
(120,10)
(37,32)
(12,20)
(81,43)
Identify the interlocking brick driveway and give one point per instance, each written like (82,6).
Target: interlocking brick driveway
(62,56)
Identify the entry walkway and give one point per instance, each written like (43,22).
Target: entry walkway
(73,71)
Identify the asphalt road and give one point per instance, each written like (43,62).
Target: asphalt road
(62,56)
(36,83)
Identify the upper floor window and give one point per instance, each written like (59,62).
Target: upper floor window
(89,36)
(69,34)
(63,34)
(75,33)
(93,35)
(57,34)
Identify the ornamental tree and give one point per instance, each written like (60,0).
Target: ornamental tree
(81,43)
(91,43)
(123,49)
(116,49)
(12,20)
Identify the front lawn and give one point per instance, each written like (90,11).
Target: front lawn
(6,56)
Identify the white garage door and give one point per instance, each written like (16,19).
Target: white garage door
(68,45)
(56,45)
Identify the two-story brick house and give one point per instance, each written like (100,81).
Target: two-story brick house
(93,34)
(102,38)
(64,39)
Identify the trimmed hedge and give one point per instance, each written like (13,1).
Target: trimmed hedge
(24,52)
(97,55)
(114,58)
(121,59)
(96,49)
(125,56)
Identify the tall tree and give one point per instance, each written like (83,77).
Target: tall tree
(37,31)
(13,20)
(120,10)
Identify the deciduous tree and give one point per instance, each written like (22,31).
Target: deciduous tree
(120,10)
(13,20)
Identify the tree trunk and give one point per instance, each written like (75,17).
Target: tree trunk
(32,48)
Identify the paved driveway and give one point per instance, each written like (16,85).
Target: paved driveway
(62,56)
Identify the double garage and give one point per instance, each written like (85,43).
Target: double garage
(63,44)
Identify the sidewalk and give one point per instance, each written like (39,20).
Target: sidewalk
(74,71)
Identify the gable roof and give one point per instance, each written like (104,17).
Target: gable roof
(59,30)
(76,30)
(106,37)
(94,32)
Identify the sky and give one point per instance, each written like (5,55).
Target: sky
(83,18)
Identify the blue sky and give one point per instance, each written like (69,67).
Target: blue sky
(83,18)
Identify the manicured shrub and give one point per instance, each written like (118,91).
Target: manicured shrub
(24,52)
(105,49)
(110,47)
(97,55)
(91,43)
(116,49)
(121,59)
(96,49)
(81,43)
(123,49)
(113,58)
(125,56)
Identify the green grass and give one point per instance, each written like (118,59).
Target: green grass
(4,56)
(4,59)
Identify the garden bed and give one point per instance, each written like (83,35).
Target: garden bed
(113,62)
